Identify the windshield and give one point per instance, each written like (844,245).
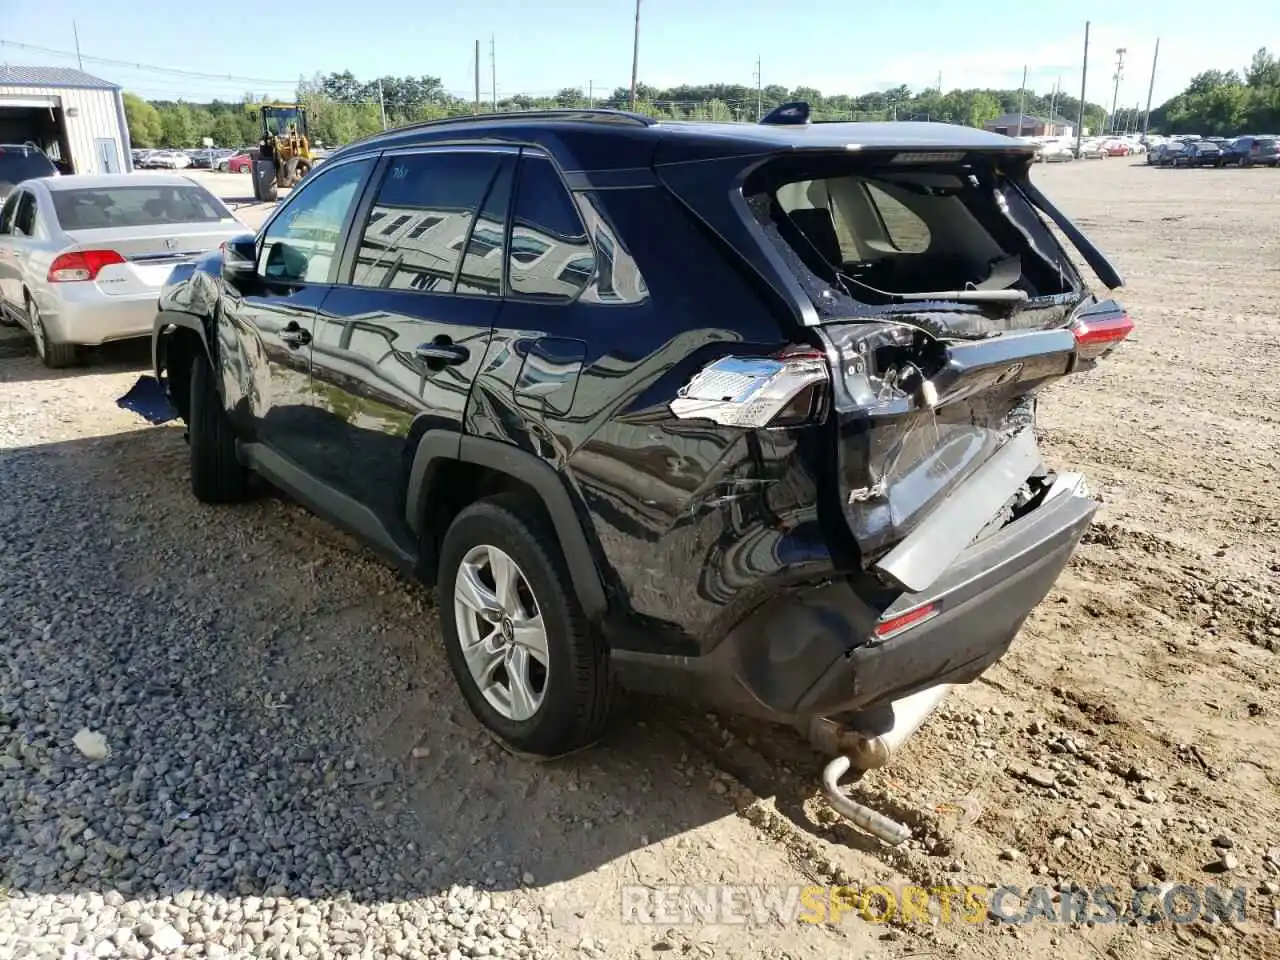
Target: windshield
(279,119)
(22,163)
(93,209)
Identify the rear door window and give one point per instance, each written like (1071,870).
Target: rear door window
(550,257)
(905,230)
(486,248)
(24,221)
(7,214)
(421,219)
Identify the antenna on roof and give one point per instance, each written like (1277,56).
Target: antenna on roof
(788,114)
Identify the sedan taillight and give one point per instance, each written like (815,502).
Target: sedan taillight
(81,265)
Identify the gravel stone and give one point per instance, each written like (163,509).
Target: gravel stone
(179,718)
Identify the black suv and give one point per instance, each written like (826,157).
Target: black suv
(22,161)
(735,412)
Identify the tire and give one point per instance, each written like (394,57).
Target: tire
(567,691)
(295,168)
(53,355)
(217,475)
(265,188)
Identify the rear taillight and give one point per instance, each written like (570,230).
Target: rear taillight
(785,390)
(81,265)
(1098,334)
(891,626)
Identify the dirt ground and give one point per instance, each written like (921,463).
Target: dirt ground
(1129,738)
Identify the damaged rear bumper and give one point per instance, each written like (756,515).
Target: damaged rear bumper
(815,652)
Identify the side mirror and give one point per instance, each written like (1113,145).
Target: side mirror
(240,256)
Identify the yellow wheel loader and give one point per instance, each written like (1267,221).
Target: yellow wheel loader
(284,152)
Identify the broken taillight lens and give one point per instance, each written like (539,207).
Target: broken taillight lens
(755,392)
(1098,334)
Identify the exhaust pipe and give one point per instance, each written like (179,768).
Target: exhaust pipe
(909,715)
(870,752)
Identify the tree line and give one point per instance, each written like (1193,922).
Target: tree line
(342,108)
(1224,103)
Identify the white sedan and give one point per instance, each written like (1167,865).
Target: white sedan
(83,258)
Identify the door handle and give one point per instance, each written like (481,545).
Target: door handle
(294,336)
(443,352)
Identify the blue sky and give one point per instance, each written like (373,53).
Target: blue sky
(834,45)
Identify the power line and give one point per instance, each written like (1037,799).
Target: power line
(142,66)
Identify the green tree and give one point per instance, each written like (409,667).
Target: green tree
(177,128)
(981,109)
(226,130)
(143,121)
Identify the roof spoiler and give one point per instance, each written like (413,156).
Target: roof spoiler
(794,113)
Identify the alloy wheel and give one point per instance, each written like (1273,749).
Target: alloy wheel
(501,632)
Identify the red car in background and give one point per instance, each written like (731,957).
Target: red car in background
(240,163)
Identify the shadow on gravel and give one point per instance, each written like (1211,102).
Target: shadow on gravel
(19,362)
(280,716)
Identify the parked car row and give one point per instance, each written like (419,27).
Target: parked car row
(1247,151)
(1061,149)
(198,158)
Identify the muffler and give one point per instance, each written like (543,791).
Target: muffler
(860,750)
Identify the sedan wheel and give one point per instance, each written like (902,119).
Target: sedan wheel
(52,355)
(500,629)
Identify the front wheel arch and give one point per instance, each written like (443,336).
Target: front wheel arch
(178,339)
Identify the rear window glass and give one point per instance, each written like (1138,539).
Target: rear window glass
(880,233)
(92,209)
(18,164)
(1266,144)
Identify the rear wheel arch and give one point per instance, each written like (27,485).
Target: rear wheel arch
(450,471)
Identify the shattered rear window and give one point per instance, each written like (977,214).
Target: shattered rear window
(884,233)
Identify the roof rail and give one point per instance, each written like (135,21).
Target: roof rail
(567,113)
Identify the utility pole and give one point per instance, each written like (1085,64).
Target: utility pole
(1146,120)
(75,31)
(493,73)
(1115,96)
(477,78)
(1022,101)
(939,83)
(635,57)
(759,91)
(382,105)
(591,94)
(1084,76)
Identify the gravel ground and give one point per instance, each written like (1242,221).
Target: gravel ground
(291,771)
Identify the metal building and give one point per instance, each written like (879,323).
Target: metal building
(78,120)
